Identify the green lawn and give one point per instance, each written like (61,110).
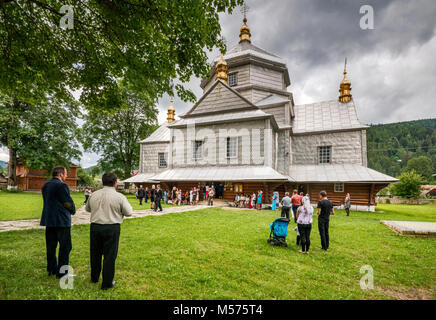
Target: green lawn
(28,205)
(223,254)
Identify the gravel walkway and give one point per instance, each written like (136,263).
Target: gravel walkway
(82,217)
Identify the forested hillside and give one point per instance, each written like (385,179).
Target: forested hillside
(391,146)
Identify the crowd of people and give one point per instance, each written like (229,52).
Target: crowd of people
(176,196)
(302,213)
(108,207)
(251,201)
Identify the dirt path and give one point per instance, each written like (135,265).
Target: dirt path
(82,217)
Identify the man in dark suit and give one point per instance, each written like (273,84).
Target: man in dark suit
(56,217)
(158,196)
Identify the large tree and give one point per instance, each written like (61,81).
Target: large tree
(116,134)
(48,49)
(421,165)
(91,45)
(41,135)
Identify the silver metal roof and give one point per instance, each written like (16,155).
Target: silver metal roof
(161,134)
(246,48)
(272,99)
(141,178)
(325,116)
(221,117)
(228,173)
(337,173)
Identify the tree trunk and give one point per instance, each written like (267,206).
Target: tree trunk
(12,168)
(12,165)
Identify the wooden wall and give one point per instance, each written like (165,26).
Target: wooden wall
(361,194)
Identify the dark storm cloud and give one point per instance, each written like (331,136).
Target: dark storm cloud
(391,67)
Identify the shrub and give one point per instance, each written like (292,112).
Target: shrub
(409,185)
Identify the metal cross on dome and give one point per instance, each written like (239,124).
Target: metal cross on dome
(244,10)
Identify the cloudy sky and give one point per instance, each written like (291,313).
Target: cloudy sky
(392,67)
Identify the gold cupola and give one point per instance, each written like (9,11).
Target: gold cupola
(221,69)
(345,87)
(244,34)
(171,112)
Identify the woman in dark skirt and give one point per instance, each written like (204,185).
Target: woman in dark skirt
(152,197)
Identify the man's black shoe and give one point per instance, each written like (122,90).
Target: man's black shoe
(113,285)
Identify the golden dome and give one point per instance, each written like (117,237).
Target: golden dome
(221,69)
(345,87)
(244,34)
(171,112)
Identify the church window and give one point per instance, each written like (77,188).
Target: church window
(197,149)
(232,147)
(339,187)
(233,79)
(324,153)
(162,159)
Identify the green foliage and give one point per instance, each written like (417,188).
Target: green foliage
(84,178)
(409,185)
(42,135)
(390,143)
(116,134)
(421,165)
(147,44)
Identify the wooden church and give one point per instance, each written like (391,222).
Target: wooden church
(247,134)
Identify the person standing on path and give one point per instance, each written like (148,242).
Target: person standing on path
(296,202)
(259,200)
(325,209)
(158,196)
(87,193)
(304,222)
(152,197)
(347,204)
(141,194)
(56,217)
(210,195)
(286,205)
(108,208)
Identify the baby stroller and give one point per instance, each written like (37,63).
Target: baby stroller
(279,231)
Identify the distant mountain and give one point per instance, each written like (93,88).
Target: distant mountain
(3,164)
(391,145)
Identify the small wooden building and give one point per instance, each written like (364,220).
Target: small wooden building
(35,179)
(3,181)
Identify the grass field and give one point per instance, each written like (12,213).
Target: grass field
(28,205)
(223,254)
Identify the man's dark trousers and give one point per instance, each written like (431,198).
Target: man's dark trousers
(285,211)
(294,209)
(323,227)
(104,242)
(53,235)
(157,204)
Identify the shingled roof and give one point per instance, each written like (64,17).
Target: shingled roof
(325,116)
(161,134)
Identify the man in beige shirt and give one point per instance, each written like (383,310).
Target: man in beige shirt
(108,208)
